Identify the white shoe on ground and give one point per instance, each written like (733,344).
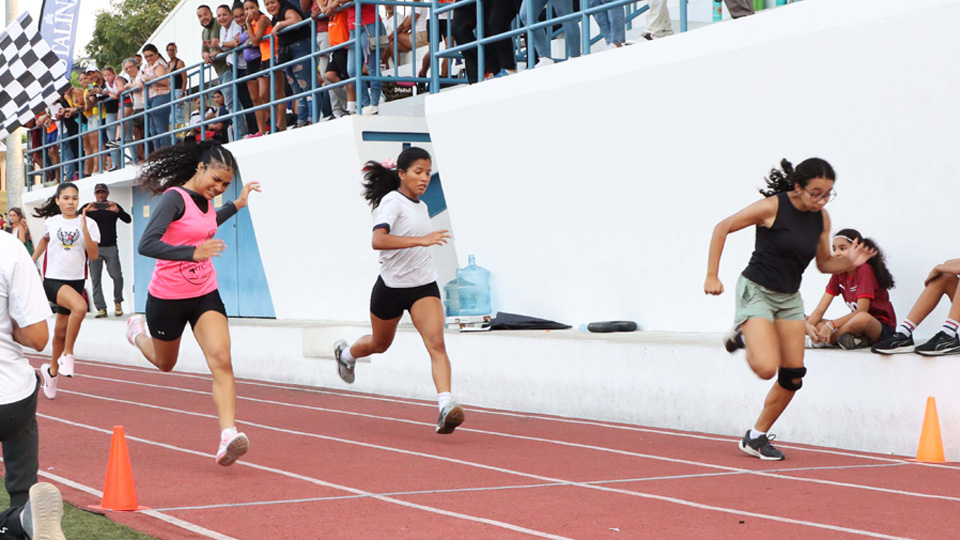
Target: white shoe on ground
(49,382)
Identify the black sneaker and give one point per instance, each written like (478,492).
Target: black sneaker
(760,447)
(733,340)
(895,344)
(849,342)
(939,345)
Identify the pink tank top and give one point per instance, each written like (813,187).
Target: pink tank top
(176,280)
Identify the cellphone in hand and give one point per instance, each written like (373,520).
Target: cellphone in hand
(101,205)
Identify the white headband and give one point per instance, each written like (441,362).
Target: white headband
(844,237)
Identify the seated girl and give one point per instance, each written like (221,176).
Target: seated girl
(864,289)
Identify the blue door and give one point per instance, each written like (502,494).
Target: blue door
(240,275)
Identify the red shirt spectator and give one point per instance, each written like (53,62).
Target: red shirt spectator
(863,284)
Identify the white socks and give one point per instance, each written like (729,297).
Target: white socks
(950,328)
(346,356)
(906,327)
(754,433)
(352,107)
(443,398)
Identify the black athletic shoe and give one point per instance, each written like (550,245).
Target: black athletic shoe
(760,447)
(939,345)
(733,340)
(895,344)
(849,342)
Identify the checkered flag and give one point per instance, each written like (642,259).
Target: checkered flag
(31,75)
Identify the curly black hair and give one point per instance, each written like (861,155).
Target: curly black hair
(175,165)
(379,180)
(783,179)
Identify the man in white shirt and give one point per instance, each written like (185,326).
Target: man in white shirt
(35,508)
(229,30)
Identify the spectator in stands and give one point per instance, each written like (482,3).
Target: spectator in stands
(153,77)
(138,58)
(133,130)
(260,32)
(612,23)
(211,47)
(501,17)
(106,218)
(442,25)
(52,128)
(35,508)
(530,13)
(251,55)
(293,45)
(864,291)
(323,43)
(20,228)
(197,116)
(370,25)
(113,84)
(243,90)
(337,96)
(221,130)
(658,16)
(236,65)
(464,26)
(337,67)
(91,140)
(35,129)
(942,281)
(180,81)
(69,148)
(411,31)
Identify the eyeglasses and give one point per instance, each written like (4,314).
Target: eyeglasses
(817,197)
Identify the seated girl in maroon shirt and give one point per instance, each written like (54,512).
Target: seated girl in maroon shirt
(864,290)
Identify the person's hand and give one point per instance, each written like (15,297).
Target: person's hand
(211,248)
(241,201)
(860,253)
(713,286)
(934,274)
(812,333)
(436,238)
(825,334)
(83,224)
(113,207)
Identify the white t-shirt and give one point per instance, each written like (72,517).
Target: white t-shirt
(423,16)
(230,33)
(67,250)
(410,267)
(21,300)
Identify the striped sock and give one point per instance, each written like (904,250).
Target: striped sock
(950,327)
(906,327)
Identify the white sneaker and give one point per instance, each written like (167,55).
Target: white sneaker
(65,365)
(344,369)
(49,382)
(43,512)
(544,61)
(371,110)
(135,327)
(232,446)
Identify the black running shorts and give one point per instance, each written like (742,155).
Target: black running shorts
(52,287)
(166,319)
(388,303)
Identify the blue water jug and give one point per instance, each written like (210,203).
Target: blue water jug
(474,289)
(452,303)
(717,10)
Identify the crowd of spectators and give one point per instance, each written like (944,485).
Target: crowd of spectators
(243,40)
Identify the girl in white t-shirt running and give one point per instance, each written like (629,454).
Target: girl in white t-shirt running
(402,232)
(69,239)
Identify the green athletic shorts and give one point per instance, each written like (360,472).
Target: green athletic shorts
(757,301)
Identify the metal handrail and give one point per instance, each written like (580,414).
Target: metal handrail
(311,94)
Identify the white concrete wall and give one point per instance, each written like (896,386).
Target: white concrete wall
(590,188)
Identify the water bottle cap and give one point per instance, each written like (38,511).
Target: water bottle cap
(471,259)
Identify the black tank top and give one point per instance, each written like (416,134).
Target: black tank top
(783,251)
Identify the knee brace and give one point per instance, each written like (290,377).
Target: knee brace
(786,376)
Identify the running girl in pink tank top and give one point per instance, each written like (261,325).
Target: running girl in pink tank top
(180,235)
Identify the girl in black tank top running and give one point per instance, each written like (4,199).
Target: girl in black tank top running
(792,229)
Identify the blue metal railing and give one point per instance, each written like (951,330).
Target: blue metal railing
(127,150)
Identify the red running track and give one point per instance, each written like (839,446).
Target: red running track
(338,465)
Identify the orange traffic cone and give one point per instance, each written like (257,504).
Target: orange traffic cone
(119,493)
(931,444)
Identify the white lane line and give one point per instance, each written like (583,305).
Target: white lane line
(155,513)
(542,478)
(533,416)
(316,481)
(485,489)
(655,457)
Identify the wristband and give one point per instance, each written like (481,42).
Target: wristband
(831,327)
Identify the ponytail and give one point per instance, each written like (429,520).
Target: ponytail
(175,165)
(783,179)
(50,208)
(382,178)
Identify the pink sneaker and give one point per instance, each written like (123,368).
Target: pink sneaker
(49,382)
(135,327)
(65,363)
(232,446)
